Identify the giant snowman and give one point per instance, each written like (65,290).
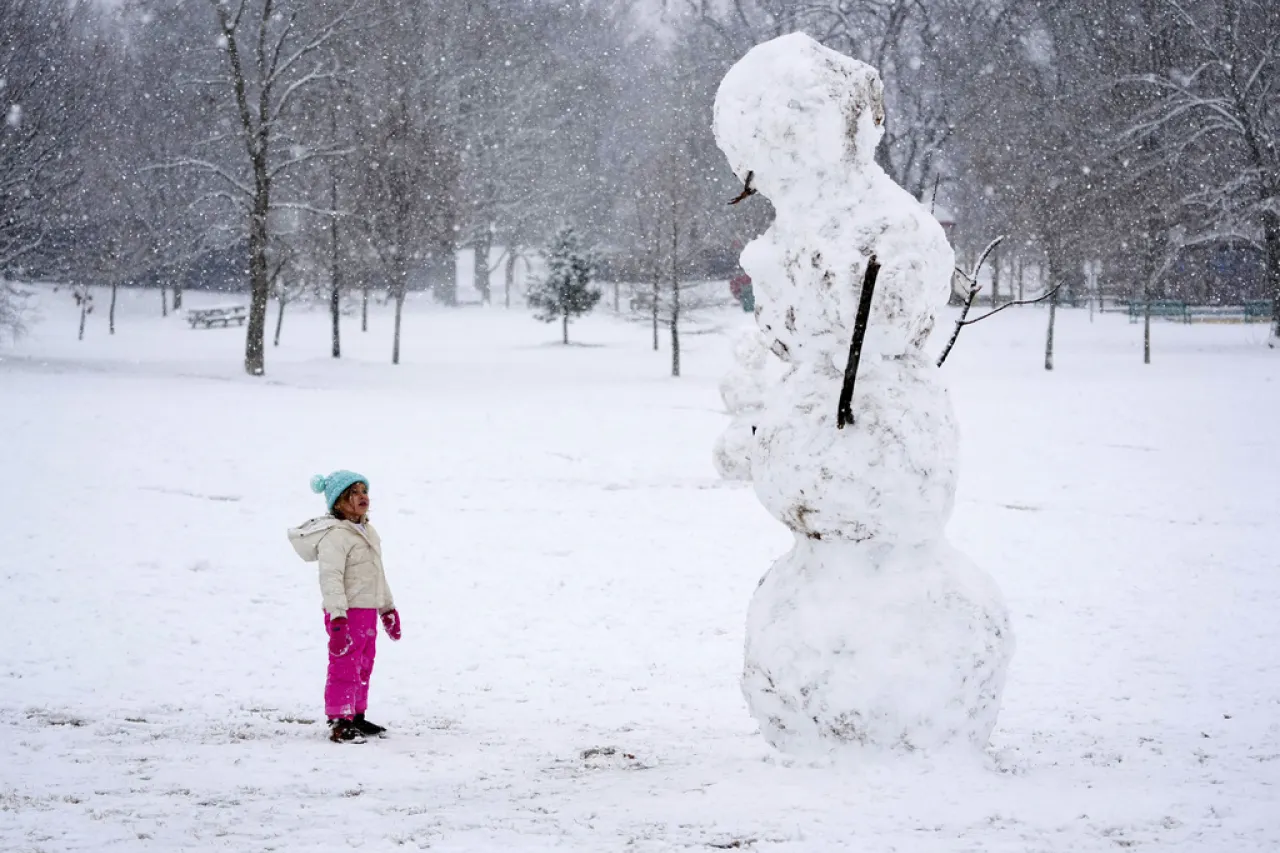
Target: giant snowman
(872,632)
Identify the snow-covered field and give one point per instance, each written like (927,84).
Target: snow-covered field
(574,578)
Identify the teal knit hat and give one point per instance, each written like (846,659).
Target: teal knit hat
(335,484)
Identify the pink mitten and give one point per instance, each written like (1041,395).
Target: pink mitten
(391,623)
(339,637)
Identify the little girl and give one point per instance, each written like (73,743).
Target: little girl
(355,595)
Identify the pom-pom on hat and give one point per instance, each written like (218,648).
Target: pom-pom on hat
(335,484)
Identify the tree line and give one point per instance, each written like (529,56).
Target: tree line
(359,144)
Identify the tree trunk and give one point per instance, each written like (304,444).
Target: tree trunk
(1048,341)
(995,276)
(111,312)
(259,279)
(335,309)
(335,269)
(1146,333)
(395,344)
(675,331)
(1156,247)
(564,322)
(176,286)
(164,301)
(279,320)
(657,295)
(510,278)
(1271,238)
(1022,268)
(401,286)
(480,276)
(1046,276)
(84,309)
(257,138)
(675,293)
(364,308)
(1090,289)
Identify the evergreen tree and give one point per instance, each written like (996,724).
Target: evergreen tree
(566,292)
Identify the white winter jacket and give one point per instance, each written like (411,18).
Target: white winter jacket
(350,563)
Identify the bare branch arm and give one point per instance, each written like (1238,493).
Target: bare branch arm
(964,312)
(1040,298)
(973,292)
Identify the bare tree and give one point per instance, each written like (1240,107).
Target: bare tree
(288,283)
(273,54)
(668,231)
(407,166)
(335,244)
(134,233)
(1218,116)
(43,108)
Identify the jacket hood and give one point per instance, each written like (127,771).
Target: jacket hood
(305,538)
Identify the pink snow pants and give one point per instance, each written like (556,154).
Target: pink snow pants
(346,690)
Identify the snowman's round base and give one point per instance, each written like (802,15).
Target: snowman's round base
(857,645)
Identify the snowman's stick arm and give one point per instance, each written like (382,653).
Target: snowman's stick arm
(974,287)
(960,324)
(844,408)
(1041,298)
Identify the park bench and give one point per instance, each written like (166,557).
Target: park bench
(1249,312)
(207,318)
(1258,309)
(1160,308)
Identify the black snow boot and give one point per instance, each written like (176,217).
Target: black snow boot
(343,730)
(367,728)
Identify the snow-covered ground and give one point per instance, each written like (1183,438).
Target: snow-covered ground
(574,578)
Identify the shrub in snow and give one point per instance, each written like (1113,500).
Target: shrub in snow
(872,631)
(566,291)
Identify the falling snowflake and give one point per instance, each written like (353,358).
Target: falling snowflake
(14,117)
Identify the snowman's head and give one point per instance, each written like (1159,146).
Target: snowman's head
(791,109)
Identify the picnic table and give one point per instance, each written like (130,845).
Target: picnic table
(222,316)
